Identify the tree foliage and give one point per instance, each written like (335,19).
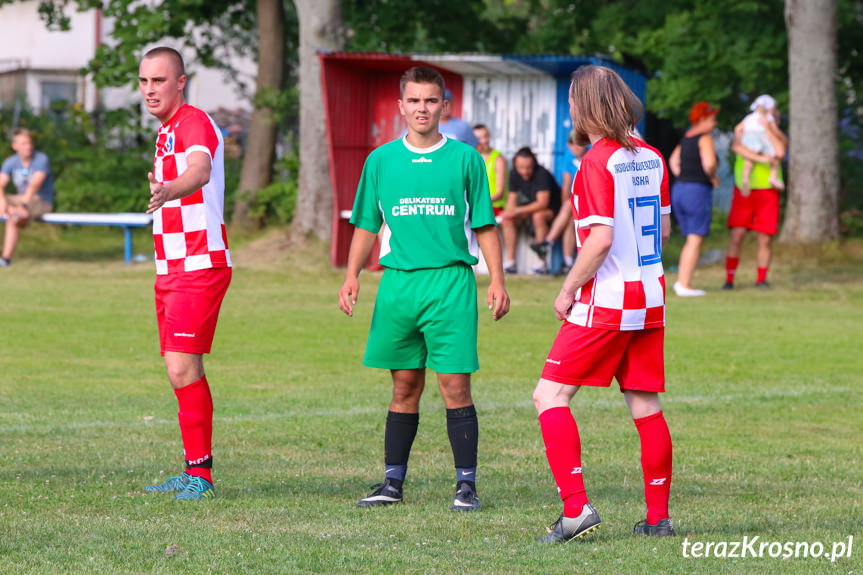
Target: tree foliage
(725,52)
(429,26)
(215,29)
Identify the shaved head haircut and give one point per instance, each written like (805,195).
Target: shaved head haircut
(172,54)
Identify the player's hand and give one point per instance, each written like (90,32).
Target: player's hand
(563,304)
(348,295)
(158,194)
(498,300)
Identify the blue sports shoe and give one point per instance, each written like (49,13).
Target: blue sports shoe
(198,488)
(176,483)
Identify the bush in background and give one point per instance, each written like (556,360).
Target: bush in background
(275,204)
(100,161)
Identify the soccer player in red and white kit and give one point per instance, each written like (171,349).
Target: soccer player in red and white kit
(612,302)
(193,265)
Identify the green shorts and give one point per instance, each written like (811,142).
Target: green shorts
(425,318)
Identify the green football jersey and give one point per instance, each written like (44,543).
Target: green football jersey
(430,199)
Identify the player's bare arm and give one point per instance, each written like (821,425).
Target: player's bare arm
(590,258)
(489,243)
(196,176)
(361,247)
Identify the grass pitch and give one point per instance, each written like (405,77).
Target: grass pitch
(763,406)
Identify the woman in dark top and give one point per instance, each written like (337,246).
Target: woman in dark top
(693,163)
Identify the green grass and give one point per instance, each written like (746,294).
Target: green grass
(763,405)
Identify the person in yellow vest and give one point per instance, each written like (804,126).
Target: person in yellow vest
(495,166)
(757,211)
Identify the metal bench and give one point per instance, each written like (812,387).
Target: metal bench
(126,221)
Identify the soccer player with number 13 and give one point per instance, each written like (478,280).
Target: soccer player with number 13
(612,302)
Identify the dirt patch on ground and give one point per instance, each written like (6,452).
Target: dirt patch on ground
(276,250)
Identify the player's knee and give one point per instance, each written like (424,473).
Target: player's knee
(182,374)
(407,391)
(537,400)
(458,396)
(542,399)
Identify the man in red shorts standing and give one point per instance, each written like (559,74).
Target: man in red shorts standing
(612,302)
(193,265)
(758,211)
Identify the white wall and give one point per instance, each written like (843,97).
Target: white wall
(518,110)
(26,42)
(23,35)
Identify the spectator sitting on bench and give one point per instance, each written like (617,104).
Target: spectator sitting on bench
(534,196)
(563,227)
(30,172)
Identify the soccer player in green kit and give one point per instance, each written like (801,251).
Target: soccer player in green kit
(431,194)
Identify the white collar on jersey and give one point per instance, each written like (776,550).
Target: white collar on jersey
(416,150)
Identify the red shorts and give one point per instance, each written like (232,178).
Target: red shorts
(759,211)
(591,356)
(187,308)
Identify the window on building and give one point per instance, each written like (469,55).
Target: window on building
(58,96)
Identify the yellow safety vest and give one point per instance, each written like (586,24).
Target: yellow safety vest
(759,179)
(492,179)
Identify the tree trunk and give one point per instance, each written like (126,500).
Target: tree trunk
(320,29)
(812,213)
(261,142)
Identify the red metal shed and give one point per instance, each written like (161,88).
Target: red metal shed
(360,93)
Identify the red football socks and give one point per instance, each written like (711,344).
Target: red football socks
(196,427)
(563,450)
(656,464)
(762,275)
(731,268)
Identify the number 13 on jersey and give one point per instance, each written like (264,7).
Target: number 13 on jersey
(645,218)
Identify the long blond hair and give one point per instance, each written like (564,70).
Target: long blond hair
(604,105)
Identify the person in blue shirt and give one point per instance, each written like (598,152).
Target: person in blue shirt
(453,127)
(30,173)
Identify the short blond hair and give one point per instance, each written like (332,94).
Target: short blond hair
(22,132)
(604,105)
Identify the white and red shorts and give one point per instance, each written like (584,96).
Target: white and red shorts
(187,308)
(592,356)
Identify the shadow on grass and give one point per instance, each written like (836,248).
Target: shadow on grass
(80,243)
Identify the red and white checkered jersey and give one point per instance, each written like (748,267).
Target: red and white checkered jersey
(629,191)
(189,233)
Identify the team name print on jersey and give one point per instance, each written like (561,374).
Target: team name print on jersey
(423,207)
(634,166)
